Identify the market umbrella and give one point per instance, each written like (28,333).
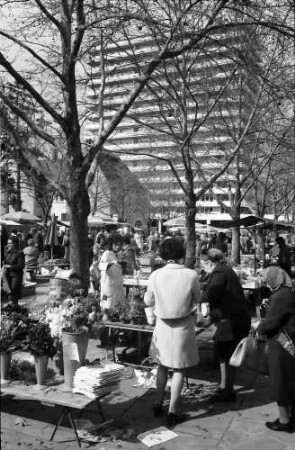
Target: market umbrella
(9,222)
(22,217)
(51,238)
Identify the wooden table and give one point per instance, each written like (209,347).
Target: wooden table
(139,329)
(56,395)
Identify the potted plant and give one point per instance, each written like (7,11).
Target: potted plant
(14,322)
(81,320)
(40,343)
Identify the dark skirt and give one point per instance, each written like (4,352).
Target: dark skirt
(240,326)
(282,373)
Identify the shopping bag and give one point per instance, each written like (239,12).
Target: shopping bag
(251,353)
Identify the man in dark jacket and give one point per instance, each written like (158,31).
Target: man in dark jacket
(14,263)
(228,311)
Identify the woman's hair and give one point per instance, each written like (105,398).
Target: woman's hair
(216,255)
(114,239)
(171,249)
(126,239)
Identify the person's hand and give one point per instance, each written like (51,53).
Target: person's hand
(254,327)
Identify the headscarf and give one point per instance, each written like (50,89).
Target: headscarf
(277,278)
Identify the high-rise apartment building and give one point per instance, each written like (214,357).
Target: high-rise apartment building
(207,92)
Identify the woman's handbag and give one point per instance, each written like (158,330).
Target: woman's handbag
(251,352)
(223,331)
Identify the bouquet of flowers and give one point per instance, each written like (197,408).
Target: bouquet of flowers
(14,325)
(81,314)
(39,341)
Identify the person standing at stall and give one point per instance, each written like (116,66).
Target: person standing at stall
(31,253)
(174,291)
(111,279)
(228,311)
(14,263)
(279,328)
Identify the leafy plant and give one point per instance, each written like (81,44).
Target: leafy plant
(39,341)
(81,314)
(14,326)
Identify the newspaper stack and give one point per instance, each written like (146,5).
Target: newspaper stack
(97,381)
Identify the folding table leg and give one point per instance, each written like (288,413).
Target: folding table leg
(100,409)
(73,425)
(59,422)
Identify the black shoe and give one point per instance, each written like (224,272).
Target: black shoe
(174,419)
(278,426)
(223,396)
(158,409)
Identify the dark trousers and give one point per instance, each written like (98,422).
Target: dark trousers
(15,284)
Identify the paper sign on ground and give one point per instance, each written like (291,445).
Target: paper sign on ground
(156,436)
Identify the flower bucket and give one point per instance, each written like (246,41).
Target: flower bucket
(5,366)
(74,353)
(41,363)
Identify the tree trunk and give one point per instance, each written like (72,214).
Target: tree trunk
(79,209)
(235,248)
(190,257)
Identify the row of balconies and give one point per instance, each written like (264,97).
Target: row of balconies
(145,45)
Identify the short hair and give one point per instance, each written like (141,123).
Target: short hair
(30,241)
(114,239)
(171,249)
(126,239)
(216,255)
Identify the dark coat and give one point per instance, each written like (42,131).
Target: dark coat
(225,294)
(280,314)
(16,260)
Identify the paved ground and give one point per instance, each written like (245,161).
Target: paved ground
(240,425)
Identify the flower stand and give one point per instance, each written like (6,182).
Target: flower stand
(41,363)
(74,353)
(5,366)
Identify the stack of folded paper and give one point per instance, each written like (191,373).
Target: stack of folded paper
(96,381)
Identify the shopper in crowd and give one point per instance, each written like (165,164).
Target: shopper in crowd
(151,242)
(99,246)
(14,263)
(228,311)
(66,244)
(174,290)
(138,237)
(128,256)
(220,242)
(111,280)
(283,255)
(31,253)
(4,239)
(204,245)
(279,327)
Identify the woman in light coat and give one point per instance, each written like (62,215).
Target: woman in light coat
(174,291)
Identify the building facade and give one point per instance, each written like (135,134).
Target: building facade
(207,89)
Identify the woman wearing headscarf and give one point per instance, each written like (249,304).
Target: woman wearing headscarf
(279,327)
(174,291)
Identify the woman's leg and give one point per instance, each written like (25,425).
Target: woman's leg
(284,414)
(176,388)
(162,377)
(227,377)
